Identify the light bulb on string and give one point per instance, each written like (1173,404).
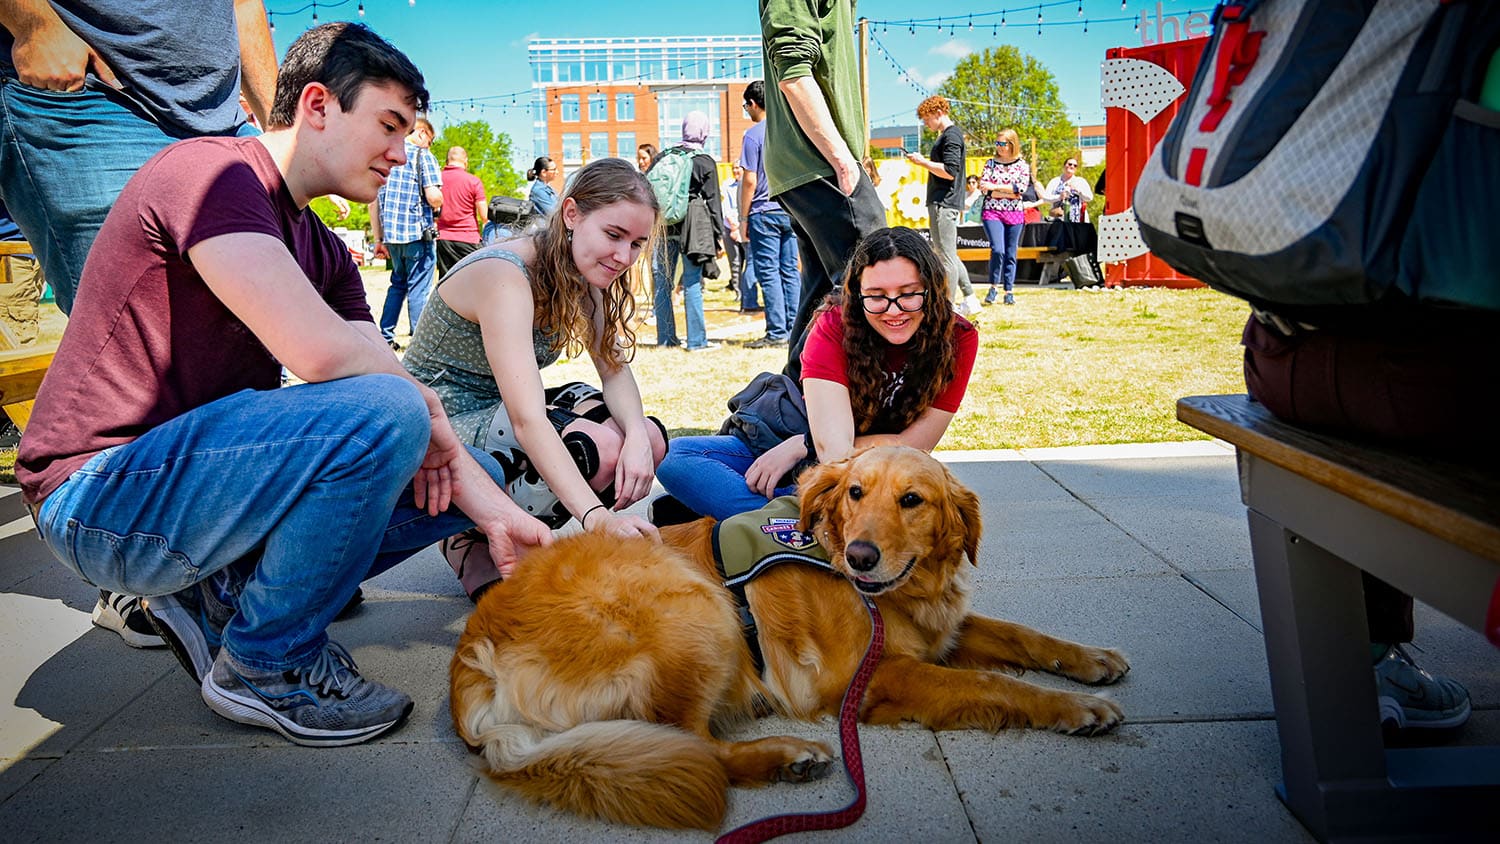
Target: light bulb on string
(1085,26)
(1080,8)
(1039,14)
(271,19)
(361,9)
(971,23)
(1002,18)
(1122,4)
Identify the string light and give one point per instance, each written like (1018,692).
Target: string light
(361,10)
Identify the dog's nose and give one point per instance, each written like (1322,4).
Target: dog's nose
(862,556)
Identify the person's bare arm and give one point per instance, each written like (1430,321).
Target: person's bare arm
(257,58)
(47,54)
(748,181)
(482,210)
(936,168)
(811,110)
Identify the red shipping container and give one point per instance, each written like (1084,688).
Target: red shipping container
(1130,142)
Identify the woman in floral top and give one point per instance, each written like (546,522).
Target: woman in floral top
(1004,181)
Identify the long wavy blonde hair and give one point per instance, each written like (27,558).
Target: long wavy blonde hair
(564,309)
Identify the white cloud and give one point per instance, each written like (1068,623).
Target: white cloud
(953,48)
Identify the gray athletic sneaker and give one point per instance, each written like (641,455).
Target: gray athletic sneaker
(1411,698)
(191,622)
(325,703)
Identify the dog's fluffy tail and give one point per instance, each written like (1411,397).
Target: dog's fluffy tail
(631,772)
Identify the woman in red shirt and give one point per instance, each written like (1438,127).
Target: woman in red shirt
(886,362)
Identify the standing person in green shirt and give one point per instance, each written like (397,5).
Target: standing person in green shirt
(815,136)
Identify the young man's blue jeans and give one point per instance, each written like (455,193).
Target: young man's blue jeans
(314,480)
(1005,239)
(773,252)
(828,224)
(708,475)
(64,157)
(662,270)
(412,267)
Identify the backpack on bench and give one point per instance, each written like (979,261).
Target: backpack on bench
(1333,153)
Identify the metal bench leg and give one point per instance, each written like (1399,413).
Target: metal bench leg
(1318,649)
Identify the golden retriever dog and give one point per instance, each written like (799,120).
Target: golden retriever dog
(593,677)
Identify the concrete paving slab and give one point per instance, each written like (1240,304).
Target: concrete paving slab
(1235,589)
(1160,782)
(911,797)
(1200,534)
(15,774)
(407,792)
(1003,485)
(1190,478)
(1059,539)
(22,555)
(1191,659)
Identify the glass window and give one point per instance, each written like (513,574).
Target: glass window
(672,106)
(598,145)
(651,69)
(572,143)
(625,71)
(598,108)
(568,107)
(624,106)
(542,71)
(569,72)
(595,71)
(625,145)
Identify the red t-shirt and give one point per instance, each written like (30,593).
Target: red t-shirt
(147,341)
(823,357)
(463,195)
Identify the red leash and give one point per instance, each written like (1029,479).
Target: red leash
(854,764)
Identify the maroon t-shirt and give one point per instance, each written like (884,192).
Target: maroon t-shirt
(147,340)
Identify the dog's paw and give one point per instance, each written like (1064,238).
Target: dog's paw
(1089,715)
(813,763)
(1095,666)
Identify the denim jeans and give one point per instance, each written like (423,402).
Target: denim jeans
(773,251)
(663,269)
(708,475)
(1005,238)
(64,157)
(828,224)
(944,231)
(748,283)
(314,480)
(412,268)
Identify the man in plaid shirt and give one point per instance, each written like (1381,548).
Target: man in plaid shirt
(404,215)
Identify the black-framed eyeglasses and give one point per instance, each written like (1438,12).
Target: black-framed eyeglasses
(904,302)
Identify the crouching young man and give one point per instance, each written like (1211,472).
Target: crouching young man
(162,459)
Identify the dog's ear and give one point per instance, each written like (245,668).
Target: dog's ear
(818,489)
(963,514)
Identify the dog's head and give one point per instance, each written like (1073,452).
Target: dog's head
(891,514)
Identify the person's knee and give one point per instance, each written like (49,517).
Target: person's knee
(595,450)
(395,422)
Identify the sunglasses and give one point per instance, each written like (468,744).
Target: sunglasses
(1002,143)
(1071,164)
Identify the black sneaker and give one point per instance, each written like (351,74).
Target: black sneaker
(667,510)
(766,343)
(191,623)
(122,614)
(325,703)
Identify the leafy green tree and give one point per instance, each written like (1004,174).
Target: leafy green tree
(359,214)
(489,155)
(1003,88)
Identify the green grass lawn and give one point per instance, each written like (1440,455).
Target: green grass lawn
(1061,367)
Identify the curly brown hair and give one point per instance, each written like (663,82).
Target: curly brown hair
(930,361)
(564,309)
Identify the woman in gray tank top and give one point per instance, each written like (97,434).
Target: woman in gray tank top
(508,310)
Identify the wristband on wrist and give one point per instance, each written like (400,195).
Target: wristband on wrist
(584,519)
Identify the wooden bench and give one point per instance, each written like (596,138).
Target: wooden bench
(20,375)
(1321,509)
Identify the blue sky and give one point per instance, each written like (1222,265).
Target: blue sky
(477,48)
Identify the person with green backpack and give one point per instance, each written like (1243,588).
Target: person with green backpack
(681,176)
